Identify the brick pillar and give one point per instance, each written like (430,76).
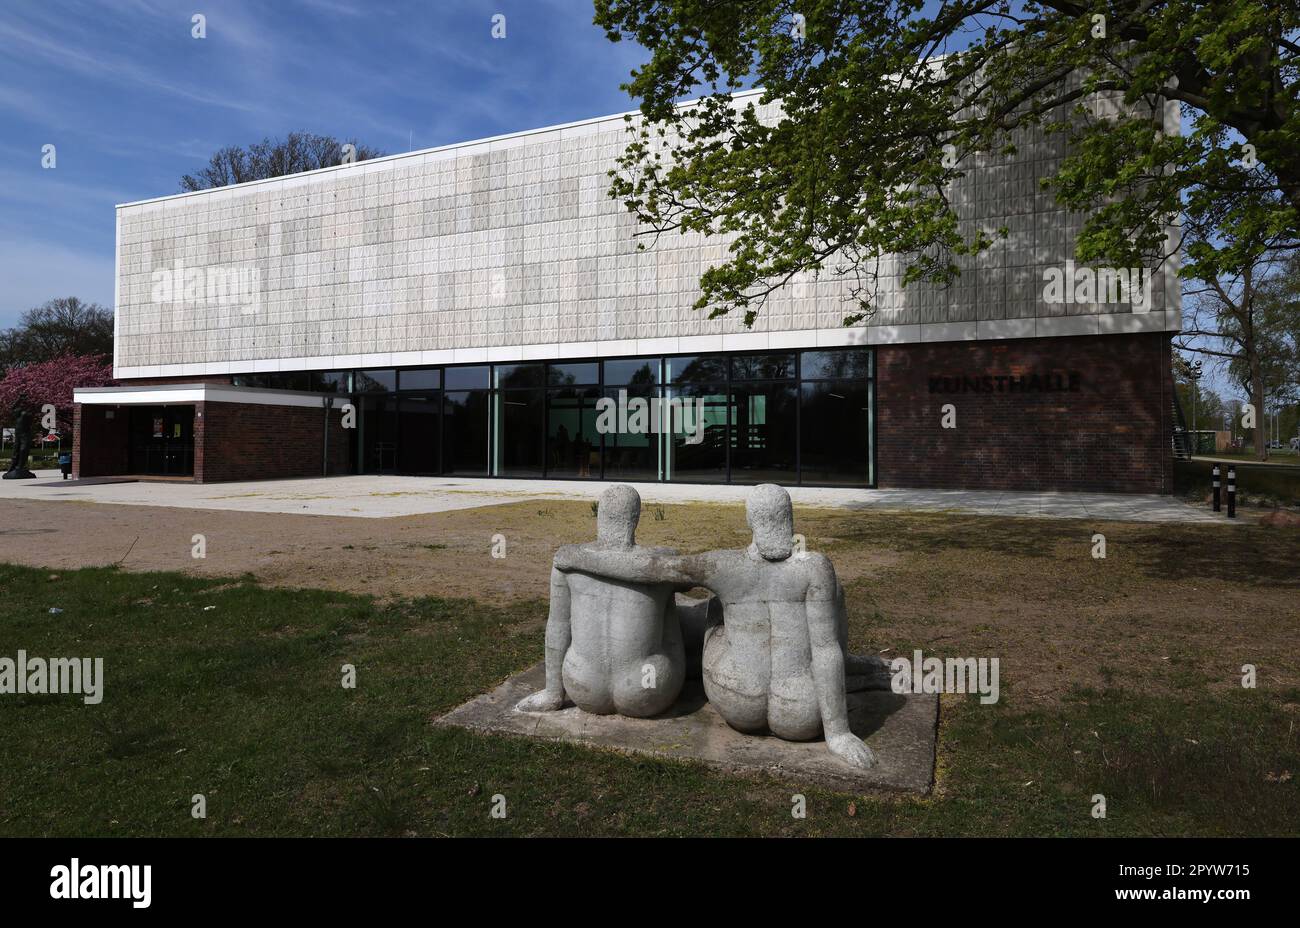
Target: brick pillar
(76,441)
(200,441)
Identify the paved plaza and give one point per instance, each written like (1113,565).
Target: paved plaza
(379,497)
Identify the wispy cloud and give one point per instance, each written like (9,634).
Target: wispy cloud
(104,67)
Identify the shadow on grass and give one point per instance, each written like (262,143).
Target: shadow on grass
(1247,554)
(1220,765)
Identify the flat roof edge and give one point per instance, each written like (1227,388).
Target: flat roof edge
(419,153)
(191,385)
(186,394)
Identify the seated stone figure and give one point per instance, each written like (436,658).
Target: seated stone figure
(612,646)
(777,662)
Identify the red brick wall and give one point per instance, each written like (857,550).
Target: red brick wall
(243,441)
(1111,434)
(99,444)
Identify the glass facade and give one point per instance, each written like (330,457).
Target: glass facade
(790,417)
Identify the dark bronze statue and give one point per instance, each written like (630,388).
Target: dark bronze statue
(22,448)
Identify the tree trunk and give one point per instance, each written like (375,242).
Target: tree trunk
(1257,400)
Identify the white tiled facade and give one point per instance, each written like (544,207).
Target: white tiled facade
(510,248)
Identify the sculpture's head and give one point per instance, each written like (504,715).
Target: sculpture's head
(617,516)
(771,519)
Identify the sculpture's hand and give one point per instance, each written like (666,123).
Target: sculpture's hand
(541,701)
(566,557)
(850,748)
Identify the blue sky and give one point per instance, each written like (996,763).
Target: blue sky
(131,101)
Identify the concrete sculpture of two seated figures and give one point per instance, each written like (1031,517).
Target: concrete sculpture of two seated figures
(777,662)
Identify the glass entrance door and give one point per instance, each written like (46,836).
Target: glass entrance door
(162,441)
(378,434)
(419,430)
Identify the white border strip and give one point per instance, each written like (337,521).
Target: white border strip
(117,286)
(924,333)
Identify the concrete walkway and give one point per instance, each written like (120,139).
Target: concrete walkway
(386,497)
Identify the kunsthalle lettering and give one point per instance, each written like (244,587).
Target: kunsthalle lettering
(1043,382)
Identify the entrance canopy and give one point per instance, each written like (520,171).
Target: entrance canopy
(209,431)
(165,394)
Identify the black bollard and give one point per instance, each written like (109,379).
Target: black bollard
(1232,492)
(1215,480)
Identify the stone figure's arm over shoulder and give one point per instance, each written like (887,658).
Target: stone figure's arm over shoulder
(828,664)
(637,565)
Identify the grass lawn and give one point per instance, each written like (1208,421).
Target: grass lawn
(1119,677)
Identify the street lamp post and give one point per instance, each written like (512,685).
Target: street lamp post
(1194,379)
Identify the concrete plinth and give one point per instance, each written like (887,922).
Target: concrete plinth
(899,729)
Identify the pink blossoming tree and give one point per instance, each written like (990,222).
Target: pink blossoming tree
(33,386)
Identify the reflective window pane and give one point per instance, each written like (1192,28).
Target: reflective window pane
(381,381)
(420,379)
(520,435)
(763,432)
(466,378)
(778,366)
(696,415)
(628,372)
(702,369)
(518,375)
(838,364)
(631,436)
(566,373)
(835,428)
(291,381)
(465,432)
(378,439)
(572,439)
(418,434)
(331,381)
